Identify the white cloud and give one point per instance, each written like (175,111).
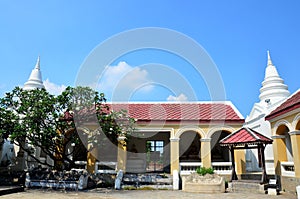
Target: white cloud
(53,88)
(124,78)
(179,98)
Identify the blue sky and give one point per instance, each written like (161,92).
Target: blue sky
(235,34)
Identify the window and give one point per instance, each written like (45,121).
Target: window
(155,145)
(155,156)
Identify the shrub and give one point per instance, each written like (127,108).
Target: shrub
(203,171)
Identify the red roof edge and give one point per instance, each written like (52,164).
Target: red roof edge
(259,138)
(275,113)
(242,121)
(291,103)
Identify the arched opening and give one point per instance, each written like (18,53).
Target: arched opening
(190,147)
(218,153)
(284,131)
(298,126)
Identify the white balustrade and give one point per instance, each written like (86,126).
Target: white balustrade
(187,168)
(287,169)
(224,168)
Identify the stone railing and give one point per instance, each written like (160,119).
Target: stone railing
(106,167)
(222,167)
(187,168)
(287,169)
(45,178)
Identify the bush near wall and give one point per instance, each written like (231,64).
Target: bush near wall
(203,171)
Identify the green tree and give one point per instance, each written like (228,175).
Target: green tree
(33,120)
(36,118)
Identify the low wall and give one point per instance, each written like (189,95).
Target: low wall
(51,184)
(203,184)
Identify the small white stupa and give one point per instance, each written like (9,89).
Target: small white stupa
(272,93)
(35,79)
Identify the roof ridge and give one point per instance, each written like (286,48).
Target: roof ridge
(253,133)
(171,102)
(229,140)
(259,134)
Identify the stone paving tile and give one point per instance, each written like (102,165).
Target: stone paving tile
(184,195)
(155,194)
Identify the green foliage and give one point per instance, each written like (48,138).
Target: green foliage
(203,171)
(38,118)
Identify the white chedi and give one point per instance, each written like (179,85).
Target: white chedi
(35,78)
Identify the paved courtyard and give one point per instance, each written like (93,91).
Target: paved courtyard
(155,194)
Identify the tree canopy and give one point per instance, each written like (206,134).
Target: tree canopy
(36,119)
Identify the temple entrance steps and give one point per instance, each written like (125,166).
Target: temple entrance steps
(250,183)
(255,176)
(248,186)
(147,181)
(251,176)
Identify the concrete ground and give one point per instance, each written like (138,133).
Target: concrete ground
(123,194)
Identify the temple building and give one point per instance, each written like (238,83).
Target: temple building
(182,136)
(171,136)
(285,129)
(272,93)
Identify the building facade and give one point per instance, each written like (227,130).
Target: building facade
(285,128)
(171,136)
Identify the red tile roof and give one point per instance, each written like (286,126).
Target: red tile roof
(245,136)
(290,104)
(174,112)
(199,111)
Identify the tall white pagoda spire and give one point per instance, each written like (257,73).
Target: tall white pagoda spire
(269,59)
(37,65)
(272,93)
(35,79)
(273,88)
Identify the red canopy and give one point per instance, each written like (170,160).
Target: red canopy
(245,136)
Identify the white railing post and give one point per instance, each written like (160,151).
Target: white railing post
(175,180)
